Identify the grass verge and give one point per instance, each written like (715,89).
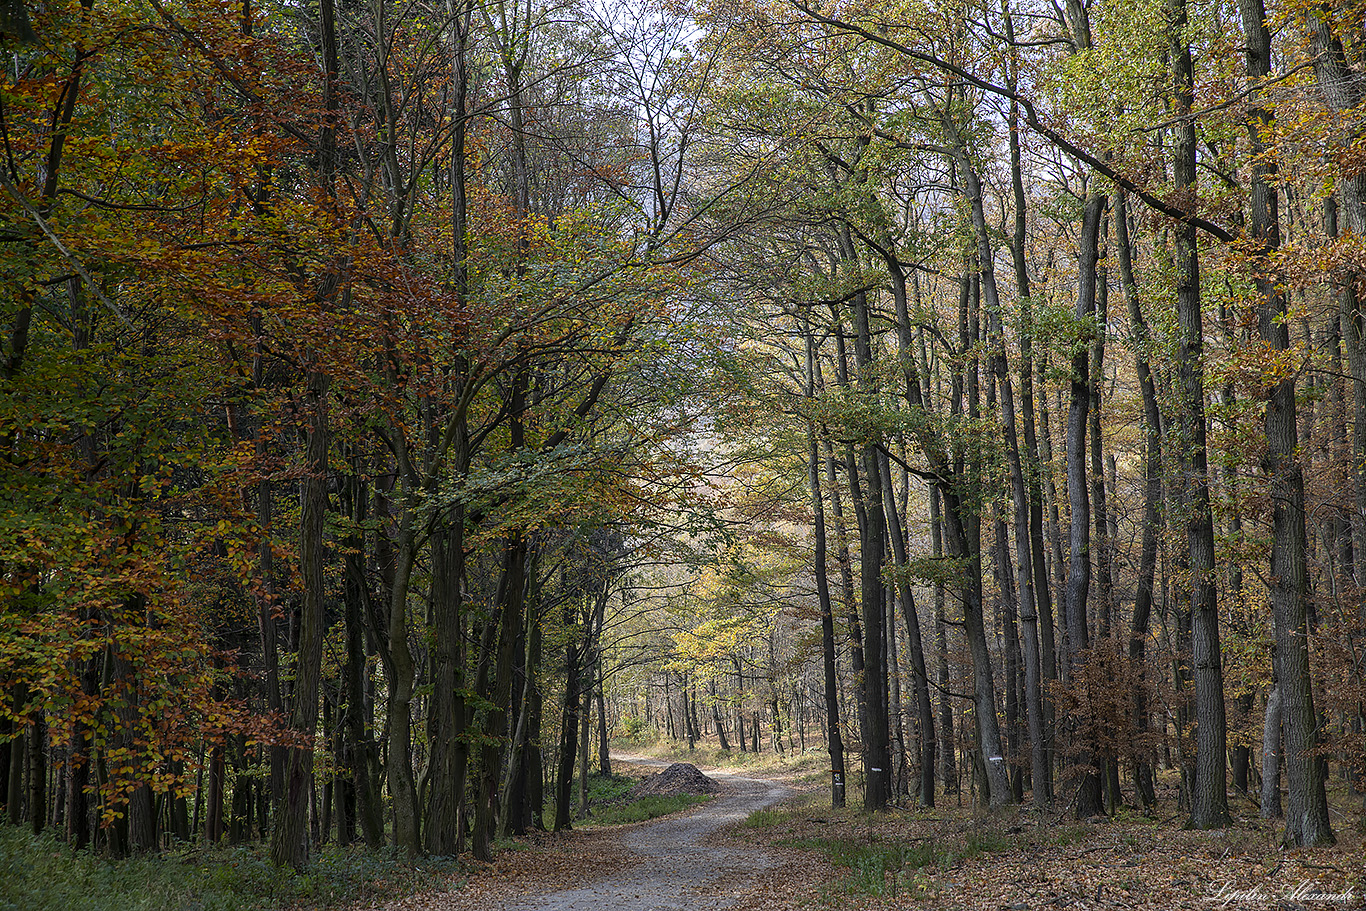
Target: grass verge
(40,873)
(874,864)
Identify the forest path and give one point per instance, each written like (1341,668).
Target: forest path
(674,864)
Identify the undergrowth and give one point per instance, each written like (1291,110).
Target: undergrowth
(40,873)
(890,868)
(645,808)
(876,864)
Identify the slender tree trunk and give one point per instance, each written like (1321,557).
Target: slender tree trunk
(604,753)
(834,739)
(1088,801)
(717,721)
(578,663)
(1048,638)
(911,618)
(1043,642)
(847,596)
(1024,580)
(914,399)
(948,771)
(1152,496)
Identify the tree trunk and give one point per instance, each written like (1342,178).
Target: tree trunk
(1152,496)
(1209,798)
(834,739)
(448,756)
(948,770)
(569,725)
(511,589)
(1088,801)
(358,740)
(1307,822)
(400,669)
(717,721)
(911,618)
(290,843)
(604,752)
(877,759)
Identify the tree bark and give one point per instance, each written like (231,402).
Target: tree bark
(834,738)
(1088,801)
(1307,822)
(1152,497)
(290,842)
(1209,797)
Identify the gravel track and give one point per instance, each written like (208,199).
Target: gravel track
(679,867)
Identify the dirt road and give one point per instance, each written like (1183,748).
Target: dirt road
(679,867)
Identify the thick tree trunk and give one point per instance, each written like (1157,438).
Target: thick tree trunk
(290,842)
(1209,797)
(512,587)
(213,817)
(1307,822)
(448,756)
(401,671)
(1099,507)
(37,772)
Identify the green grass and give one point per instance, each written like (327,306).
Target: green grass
(610,803)
(42,874)
(789,813)
(645,808)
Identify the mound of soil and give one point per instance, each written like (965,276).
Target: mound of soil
(679,778)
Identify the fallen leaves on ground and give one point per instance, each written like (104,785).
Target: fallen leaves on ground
(1022,862)
(539,864)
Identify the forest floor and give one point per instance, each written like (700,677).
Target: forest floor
(770,841)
